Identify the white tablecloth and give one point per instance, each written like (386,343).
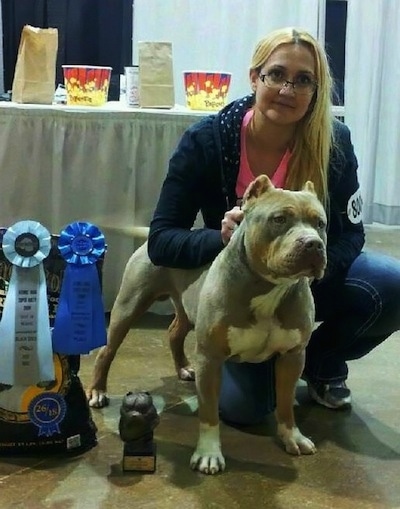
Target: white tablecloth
(103,165)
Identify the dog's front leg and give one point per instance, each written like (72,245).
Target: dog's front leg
(288,369)
(207,457)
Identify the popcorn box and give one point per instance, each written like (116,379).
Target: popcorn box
(206,90)
(86,85)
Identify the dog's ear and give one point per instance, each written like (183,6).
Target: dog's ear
(256,188)
(309,186)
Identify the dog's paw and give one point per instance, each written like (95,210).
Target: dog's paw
(294,441)
(186,374)
(207,462)
(97,398)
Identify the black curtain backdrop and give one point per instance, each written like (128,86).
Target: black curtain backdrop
(335,40)
(90,32)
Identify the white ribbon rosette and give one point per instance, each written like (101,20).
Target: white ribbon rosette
(26,355)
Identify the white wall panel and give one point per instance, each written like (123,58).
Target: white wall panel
(217,35)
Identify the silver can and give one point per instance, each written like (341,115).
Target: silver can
(132,85)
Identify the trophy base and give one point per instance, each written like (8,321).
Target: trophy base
(139,456)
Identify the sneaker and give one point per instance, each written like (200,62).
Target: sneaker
(335,395)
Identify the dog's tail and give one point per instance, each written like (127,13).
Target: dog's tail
(139,232)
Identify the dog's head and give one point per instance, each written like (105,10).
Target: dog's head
(284,231)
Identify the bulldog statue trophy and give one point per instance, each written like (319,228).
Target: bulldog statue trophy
(138,419)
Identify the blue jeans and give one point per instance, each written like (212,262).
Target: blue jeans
(357,312)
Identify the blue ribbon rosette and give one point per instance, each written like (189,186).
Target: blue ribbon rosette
(26,355)
(79,324)
(47,411)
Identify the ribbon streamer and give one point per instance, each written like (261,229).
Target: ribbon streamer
(79,325)
(26,355)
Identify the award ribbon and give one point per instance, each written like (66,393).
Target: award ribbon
(47,411)
(79,325)
(26,355)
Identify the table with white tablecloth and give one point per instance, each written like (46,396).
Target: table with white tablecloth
(103,165)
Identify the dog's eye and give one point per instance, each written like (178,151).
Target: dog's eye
(321,224)
(279,219)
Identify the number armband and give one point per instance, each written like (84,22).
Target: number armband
(354,207)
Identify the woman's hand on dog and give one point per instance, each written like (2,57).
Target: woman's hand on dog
(229,223)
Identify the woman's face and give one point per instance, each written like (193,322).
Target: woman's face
(285,105)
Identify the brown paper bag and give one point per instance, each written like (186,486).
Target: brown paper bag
(156,80)
(35,70)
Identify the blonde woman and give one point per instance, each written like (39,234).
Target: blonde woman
(284,129)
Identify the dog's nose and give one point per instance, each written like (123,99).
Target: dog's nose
(311,243)
(311,255)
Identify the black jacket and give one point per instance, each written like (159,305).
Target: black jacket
(202,177)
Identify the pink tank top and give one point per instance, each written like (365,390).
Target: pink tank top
(245,175)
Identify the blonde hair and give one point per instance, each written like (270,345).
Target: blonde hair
(314,132)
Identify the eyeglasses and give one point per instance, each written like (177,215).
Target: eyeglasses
(302,85)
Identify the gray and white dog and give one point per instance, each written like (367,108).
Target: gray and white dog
(253,302)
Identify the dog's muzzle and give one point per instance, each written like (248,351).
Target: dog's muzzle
(309,256)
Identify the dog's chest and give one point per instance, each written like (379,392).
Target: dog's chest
(265,336)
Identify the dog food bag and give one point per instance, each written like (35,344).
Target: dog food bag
(51,417)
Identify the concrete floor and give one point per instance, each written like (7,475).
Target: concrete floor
(357,465)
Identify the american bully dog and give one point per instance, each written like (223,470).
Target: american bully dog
(252,303)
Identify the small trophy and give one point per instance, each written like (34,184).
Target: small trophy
(138,418)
